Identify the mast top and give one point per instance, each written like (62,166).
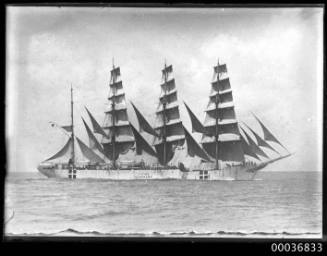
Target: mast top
(113,63)
(71,92)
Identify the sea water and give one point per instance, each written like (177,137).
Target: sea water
(282,204)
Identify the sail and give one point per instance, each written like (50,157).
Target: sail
(222,138)
(93,142)
(220,68)
(67,128)
(267,134)
(248,149)
(196,124)
(165,154)
(113,151)
(260,141)
(142,144)
(168,123)
(167,70)
(119,135)
(64,151)
(96,127)
(193,148)
(228,151)
(256,149)
(143,123)
(88,153)
(115,72)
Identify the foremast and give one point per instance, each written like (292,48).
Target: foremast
(114,76)
(164,103)
(221,139)
(216,122)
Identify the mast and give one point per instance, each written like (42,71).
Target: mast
(221,139)
(113,136)
(216,123)
(118,138)
(72,117)
(164,103)
(169,127)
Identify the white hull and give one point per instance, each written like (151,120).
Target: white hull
(232,173)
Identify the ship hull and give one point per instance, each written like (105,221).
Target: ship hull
(232,173)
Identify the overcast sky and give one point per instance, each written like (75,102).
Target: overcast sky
(273,56)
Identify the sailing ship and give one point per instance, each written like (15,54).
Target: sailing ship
(119,151)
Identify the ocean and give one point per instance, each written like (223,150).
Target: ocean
(275,204)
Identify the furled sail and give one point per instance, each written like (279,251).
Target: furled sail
(193,148)
(261,142)
(169,125)
(119,135)
(96,127)
(143,123)
(88,153)
(66,150)
(256,149)
(196,124)
(267,134)
(141,144)
(247,148)
(222,139)
(93,142)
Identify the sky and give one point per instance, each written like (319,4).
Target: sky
(274,58)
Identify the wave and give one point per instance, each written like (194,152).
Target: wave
(73,232)
(102,214)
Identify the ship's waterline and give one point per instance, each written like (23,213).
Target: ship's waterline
(233,173)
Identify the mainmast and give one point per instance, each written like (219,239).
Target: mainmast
(169,125)
(72,117)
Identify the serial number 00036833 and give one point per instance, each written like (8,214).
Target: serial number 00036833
(297,247)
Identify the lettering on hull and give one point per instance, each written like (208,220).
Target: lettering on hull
(143,176)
